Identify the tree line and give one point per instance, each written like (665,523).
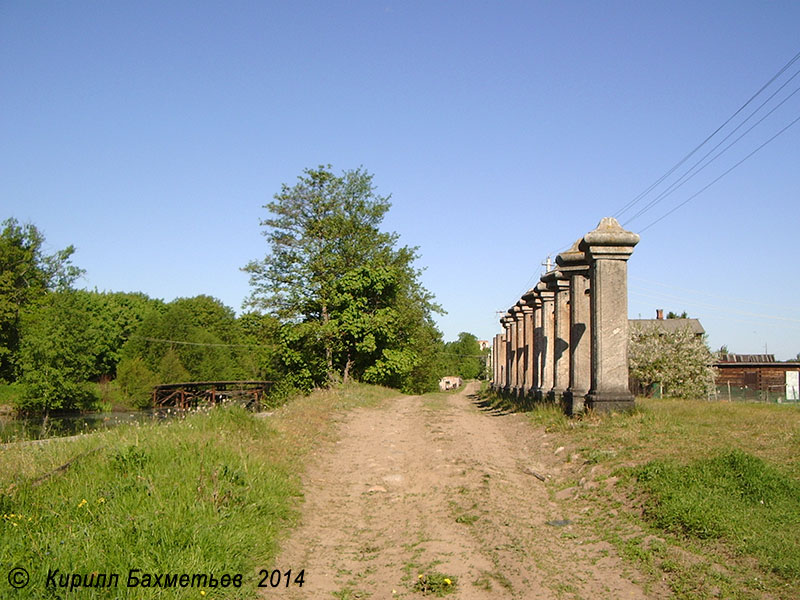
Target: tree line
(334,299)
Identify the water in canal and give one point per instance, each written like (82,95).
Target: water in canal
(35,428)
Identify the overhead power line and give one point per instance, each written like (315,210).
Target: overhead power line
(703,189)
(694,170)
(726,297)
(216,345)
(661,179)
(716,307)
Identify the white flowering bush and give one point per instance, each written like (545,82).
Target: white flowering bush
(679,360)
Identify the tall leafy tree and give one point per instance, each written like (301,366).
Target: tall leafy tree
(679,360)
(61,342)
(27,273)
(465,357)
(200,333)
(339,279)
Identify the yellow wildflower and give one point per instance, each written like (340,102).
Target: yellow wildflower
(447,581)
(82,503)
(101,500)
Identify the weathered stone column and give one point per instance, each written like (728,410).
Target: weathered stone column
(574,263)
(558,283)
(609,247)
(496,362)
(516,312)
(527,350)
(531,298)
(547,339)
(506,322)
(513,368)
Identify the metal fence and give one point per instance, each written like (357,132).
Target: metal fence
(774,393)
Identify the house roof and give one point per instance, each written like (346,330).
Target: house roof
(669,325)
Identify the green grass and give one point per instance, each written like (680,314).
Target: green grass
(732,496)
(708,493)
(436,584)
(211,493)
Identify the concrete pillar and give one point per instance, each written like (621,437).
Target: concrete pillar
(495,346)
(516,312)
(535,302)
(558,283)
(512,352)
(608,248)
(506,323)
(547,339)
(527,349)
(575,265)
(498,347)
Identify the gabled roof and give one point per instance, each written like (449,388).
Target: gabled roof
(668,325)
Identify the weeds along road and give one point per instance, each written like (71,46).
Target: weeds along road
(428,484)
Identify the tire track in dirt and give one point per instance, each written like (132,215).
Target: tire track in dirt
(433,484)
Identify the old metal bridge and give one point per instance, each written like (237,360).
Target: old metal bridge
(190,394)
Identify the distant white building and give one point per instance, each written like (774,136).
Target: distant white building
(450,383)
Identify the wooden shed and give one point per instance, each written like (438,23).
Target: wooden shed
(759,372)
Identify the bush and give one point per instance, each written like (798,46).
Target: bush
(135,381)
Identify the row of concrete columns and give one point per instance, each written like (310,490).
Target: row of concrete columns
(566,339)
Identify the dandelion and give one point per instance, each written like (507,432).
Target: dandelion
(420,576)
(82,503)
(447,581)
(202,592)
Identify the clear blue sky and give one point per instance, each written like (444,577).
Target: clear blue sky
(151,134)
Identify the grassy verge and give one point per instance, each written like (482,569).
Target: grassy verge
(702,496)
(210,494)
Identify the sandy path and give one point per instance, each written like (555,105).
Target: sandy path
(436,484)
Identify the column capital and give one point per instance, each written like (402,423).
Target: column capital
(529,297)
(543,290)
(609,241)
(573,261)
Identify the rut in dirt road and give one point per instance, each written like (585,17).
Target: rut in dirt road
(427,484)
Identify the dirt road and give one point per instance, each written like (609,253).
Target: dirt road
(426,485)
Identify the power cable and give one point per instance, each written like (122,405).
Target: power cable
(689,175)
(727,298)
(703,143)
(218,345)
(703,189)
(717,307)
